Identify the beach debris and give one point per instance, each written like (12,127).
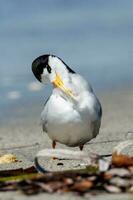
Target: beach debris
(103,164)
(121,182)
(112,189)
(88,159)
(79,182)
(121,172)
(8,158)
(118,158)
(122,160)
(82,186)
(99,175)
(17,172)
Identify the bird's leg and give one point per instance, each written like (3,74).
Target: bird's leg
(81,147)
(53,146)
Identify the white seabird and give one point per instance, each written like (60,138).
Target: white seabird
(72,114)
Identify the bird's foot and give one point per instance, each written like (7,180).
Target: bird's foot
(53,146)
(81,147)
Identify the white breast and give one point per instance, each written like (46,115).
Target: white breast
(69,124)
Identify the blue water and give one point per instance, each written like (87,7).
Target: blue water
(94,37)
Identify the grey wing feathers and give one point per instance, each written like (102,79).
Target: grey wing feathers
(44,117)
(44,126)
(96,126)
(97,123)
(100,111)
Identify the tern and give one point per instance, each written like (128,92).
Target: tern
(72,114)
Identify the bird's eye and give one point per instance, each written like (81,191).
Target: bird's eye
(49,69)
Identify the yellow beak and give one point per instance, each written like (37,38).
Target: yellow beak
(59,83)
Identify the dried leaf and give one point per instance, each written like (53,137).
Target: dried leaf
(120,160)
(82,186)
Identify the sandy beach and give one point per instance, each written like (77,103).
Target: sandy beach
(21,133)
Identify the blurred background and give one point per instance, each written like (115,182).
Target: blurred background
(94,37)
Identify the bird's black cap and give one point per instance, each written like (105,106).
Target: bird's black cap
(38,65)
